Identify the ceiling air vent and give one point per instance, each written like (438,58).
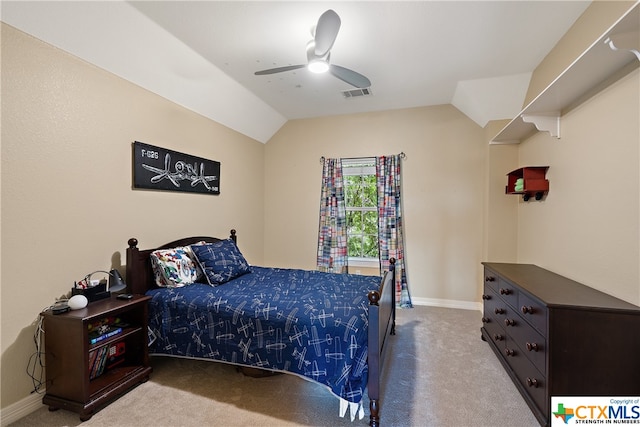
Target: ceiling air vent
(357,92)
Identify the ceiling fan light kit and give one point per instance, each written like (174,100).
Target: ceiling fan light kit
(318,66)
(319,50)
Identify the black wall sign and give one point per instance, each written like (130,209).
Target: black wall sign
(157,168)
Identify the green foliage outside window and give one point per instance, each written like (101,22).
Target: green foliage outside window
(362,215)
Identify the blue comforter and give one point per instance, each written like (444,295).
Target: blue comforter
(310,323)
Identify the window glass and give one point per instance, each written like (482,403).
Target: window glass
(361,201)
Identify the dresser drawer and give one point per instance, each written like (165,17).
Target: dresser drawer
(495,332)
(490,280)
(528,376)
(495,307)
(533,312)
(508,292)
(490,320)
(532,344)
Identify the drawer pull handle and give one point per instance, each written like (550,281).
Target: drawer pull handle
(509,352)
(532,382)
(486,297)
(490,279)
(531,346)
(509,322)
(499,311)
(504,291)
(498,337)
(526,309)
(486,320)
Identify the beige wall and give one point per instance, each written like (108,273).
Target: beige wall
(443,191)
(501,217)
(588,227)
(67,203)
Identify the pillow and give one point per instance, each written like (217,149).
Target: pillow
(174,268)
(220,261)
(199,272)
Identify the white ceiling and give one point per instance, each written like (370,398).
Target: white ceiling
(476,55)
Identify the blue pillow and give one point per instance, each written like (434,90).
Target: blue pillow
(220,261)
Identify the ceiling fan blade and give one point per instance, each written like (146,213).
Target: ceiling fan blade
(350,76)
(326,32)
(279,69)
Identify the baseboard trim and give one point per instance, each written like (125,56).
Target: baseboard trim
(20,409)
(447,303)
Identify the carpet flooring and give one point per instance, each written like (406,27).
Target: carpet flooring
(438,372)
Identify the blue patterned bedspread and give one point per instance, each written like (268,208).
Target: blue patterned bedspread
(306,322)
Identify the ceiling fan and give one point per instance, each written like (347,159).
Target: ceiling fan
(319,51)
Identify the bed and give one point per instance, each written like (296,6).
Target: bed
(324,327)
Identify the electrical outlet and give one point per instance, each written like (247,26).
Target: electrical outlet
(358,272)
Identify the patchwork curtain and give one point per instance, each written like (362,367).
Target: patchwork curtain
(332,234)
(390,232)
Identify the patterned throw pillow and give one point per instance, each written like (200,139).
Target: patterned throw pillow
(174,268)
(221,261)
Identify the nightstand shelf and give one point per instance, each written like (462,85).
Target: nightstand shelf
(72,382)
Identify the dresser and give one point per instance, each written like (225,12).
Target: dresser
(557,337)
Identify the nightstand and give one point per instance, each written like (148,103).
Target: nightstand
(86,369)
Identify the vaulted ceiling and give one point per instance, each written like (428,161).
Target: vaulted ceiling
(476,55)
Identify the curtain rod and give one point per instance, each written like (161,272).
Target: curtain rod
(322,159)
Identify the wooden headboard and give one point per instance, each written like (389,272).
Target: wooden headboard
(139,273)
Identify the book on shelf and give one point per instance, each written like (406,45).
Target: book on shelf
(101,336)
(93,355)
(97,360)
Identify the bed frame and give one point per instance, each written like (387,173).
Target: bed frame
(382,308)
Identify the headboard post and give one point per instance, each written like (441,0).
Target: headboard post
(233,236)
(132,251)
(138,267)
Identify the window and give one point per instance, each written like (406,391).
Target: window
(361,200)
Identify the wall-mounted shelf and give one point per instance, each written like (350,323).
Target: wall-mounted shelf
(617,51)
(533,182)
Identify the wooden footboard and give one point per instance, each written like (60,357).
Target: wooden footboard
(382,323)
